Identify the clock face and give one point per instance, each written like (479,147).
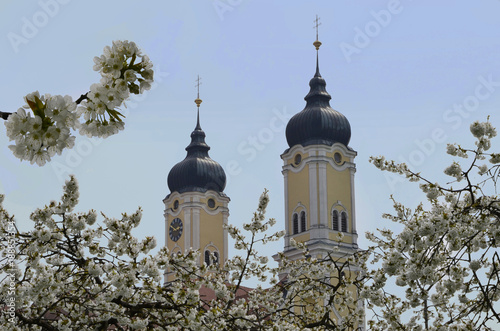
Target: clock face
(175,229)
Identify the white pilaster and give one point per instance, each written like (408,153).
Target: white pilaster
(196,228)
(323,195)
(166,228)
(313,194)
(226,252)
(353,205)
(287,218)
(187,231)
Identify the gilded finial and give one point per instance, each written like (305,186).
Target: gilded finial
(198,100)
(317,43)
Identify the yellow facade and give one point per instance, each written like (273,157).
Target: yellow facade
(203,216)
(319,180)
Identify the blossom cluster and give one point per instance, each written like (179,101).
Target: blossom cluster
(122,74)
(46,130)
(73,273)
(445,257)
(39,137)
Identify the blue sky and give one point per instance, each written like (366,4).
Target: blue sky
(409,75)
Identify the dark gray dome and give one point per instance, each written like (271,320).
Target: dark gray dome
(318,123)
(197,172)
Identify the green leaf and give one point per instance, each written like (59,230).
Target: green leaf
(114,114)
(39,103)
(32,105)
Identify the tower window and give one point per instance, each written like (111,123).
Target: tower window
(335,220)
(297,159)
(338,157)
(295,223)
(302,221)
(344,221)
(176,204)
(211,203)
(207,257)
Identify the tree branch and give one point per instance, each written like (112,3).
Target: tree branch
(5,115)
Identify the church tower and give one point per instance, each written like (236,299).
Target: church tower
(318,170)
(197,208)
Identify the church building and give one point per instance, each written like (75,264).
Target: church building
(318,170)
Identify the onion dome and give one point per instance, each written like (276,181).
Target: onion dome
(318,123)
(197,172)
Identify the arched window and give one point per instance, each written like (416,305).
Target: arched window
(207,257)
(211,257)
(176,251)
(335,220)
(295,223)
(344,221)
(302,221)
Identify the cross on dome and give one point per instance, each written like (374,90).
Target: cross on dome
(198,100)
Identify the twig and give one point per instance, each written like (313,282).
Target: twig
(5,115)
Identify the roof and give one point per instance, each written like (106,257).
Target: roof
(318,123)
(197,172)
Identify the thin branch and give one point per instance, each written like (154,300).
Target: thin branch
(5,115)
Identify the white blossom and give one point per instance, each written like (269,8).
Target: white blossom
(454,170)
(483,169)
(441,258)
(46,130)
(40,137)
(67,264)
(477,129)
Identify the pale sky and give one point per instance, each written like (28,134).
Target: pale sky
(409,76)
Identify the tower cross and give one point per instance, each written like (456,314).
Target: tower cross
(198,100)
(198,83)
(316,25)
